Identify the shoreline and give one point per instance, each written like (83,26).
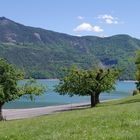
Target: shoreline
(13,114)
(128,81)
(51,79)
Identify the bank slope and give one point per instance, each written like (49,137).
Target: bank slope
(116,120)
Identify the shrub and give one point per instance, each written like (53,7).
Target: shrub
(135,92)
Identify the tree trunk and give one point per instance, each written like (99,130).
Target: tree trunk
(1,116)
(94,99)
(97,98)
(93,103)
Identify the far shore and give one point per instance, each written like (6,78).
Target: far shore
(58,79)
(129,81)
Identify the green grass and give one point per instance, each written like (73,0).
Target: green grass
(115,120)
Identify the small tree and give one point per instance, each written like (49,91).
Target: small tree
(87,82)
(137,74)
(10,90)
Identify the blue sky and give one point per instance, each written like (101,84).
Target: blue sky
(77,17)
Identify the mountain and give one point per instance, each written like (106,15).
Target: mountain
(43,53)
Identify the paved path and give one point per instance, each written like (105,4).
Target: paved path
(11,114)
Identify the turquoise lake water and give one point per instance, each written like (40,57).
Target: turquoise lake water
(123,89)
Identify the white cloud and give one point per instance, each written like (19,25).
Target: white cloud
(108,19)
(88,27)
(97,29)
(80,17)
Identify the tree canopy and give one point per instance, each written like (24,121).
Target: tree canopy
(87,82)
(9,87)
(137,74)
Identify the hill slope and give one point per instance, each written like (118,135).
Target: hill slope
(42,53)
(116,120)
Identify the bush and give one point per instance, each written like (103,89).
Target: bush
(135,92)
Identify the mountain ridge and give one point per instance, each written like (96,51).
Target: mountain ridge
(39,28)
(42,53)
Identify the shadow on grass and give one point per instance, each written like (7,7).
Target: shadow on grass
(72,108)
(130,101)
(83,107)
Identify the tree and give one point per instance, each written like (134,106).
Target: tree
(137,74)
(87,82)
(9,87)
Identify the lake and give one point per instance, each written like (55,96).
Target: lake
(123,89)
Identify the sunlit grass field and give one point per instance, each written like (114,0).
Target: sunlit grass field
(114,120)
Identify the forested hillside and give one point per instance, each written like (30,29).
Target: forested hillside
(42,53)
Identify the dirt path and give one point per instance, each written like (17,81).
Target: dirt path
(11,114)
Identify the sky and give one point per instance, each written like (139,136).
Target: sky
(77,17)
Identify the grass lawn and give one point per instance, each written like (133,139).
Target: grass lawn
(115,120)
